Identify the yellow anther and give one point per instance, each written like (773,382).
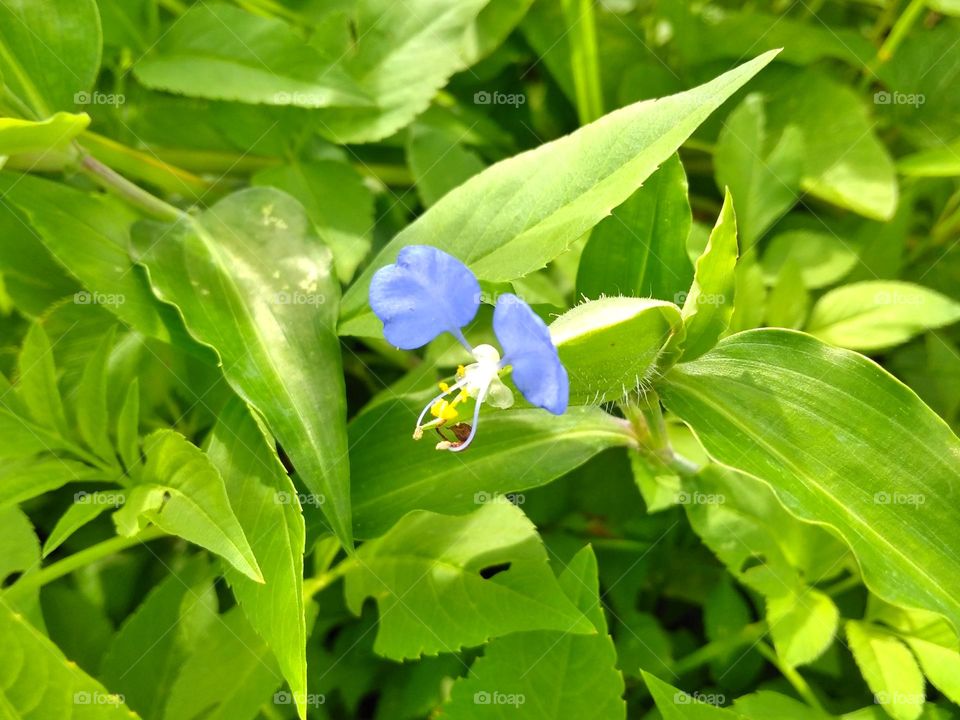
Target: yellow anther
(461,371)
(444,387)
(443,410)
(462,396)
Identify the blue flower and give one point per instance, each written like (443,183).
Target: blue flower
(428,292)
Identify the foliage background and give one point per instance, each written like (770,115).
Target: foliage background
(200,419)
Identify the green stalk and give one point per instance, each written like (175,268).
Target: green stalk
(80,559)
(133,194)
(582,32)
(792,676)
(748,635)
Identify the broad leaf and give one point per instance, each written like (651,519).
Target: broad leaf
(889,668)
(878,314)
(763,177)
(49,51)
(181,492)
(265,501)
(89,235)
(146,654)
(640,250)
(521,213)
(337,202)
(675,704)
(254,282)
(443,582)
(37,382)
(26,478)
(220,52)
(398,54)
(823,258)
(36,680)
(228,674)
(708,307)
(547,675)
(514,450)
(842,443)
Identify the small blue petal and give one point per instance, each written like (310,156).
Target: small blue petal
(527,346)
(425,293)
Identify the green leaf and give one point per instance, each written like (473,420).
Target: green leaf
(823,258)
(890,670)
(36,680)
(265,501)
(272,324)
(941,665)
(49,51)
(939,161)
(345,225)
(89,236)
(182,493)
(519,214)
(842,443)
(640,250)
(844,162)
(675,704)
(802,625)
(146,654)
(750,296)
(86,508)
(228,675)
(768,704)
(439,161)
(90,403)
(708,307)
(37,382)
(878,314)
(29,477)
(615,346)
(788,301)
(128,427)
(443,582)
(545,446)
(544,674)
(399,54)
(220,52)
(764,177)
(27,136)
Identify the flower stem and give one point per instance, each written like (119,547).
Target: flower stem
(792,676)
(80,559)
(748,635)
(133,194)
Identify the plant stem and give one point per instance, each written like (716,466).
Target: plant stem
(80,559)
(792,676)
(748,635)
(133,194)
(900,29)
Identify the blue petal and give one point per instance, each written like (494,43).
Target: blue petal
(527,346)
(425,293)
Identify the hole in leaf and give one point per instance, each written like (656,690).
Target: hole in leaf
(491,570)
